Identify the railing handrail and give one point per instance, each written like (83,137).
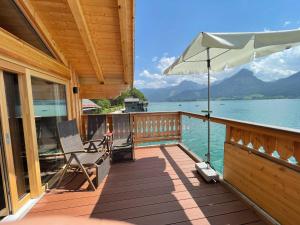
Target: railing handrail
(284,132)
(221,120)
(158,126)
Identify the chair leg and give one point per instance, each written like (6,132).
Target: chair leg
(65,170)
(85,173)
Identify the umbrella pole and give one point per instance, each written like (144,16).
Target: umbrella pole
(205,168)
(208,107)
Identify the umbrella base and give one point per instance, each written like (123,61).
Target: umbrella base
(208,173)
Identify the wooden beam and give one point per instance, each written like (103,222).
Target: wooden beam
(124,25)
(98,91)
(86,37)
(29,126)
(34,19)
(20,51)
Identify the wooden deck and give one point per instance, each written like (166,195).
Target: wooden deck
(160,187)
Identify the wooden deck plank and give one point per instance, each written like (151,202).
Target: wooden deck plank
(207,197)
(236,218)
(189,214)
(160,187)
(142,208)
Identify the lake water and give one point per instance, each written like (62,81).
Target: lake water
(278,112)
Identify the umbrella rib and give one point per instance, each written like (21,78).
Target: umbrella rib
(185,60)
(227,50)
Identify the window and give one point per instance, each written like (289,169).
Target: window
(50,108)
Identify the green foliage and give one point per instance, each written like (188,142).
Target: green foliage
(118,103)
(104,103)
(135,93)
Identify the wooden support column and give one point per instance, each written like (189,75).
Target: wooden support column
(124,30)
(75,98)
(32,153)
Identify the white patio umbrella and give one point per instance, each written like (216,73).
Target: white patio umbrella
(217,51)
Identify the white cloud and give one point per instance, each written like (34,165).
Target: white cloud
(164,62)
(150,79)
(286,23)
(278,65)
(275,66)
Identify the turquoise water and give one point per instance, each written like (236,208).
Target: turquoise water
(278,112)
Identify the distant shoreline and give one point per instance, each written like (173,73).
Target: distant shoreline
(234,99)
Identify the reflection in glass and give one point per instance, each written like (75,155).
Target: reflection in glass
(50,108)
(16,132)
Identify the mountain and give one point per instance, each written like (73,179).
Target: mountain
(244,85)
(163,94)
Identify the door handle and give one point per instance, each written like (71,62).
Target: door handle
(7,138)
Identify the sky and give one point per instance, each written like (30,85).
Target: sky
(164,28)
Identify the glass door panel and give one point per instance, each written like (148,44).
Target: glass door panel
(16,132)
(50,108)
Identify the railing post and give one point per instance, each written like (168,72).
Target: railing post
(180,124)
(228,133)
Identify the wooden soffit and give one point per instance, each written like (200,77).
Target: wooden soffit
(95,38)
(14,51)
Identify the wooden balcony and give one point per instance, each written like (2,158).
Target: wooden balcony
(160,187)
(261,165)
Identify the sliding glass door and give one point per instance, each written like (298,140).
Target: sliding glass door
(17,141)
(50,108)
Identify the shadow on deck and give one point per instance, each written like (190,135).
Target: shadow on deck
(160,187)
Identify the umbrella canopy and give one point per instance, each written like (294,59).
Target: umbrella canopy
(217,51)
(227,50)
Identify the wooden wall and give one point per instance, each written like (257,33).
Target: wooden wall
(273,187)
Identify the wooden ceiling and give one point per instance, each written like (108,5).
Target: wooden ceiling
(94,37)
(13,21)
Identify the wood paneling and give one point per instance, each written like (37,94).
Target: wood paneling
(272,186)
(36,22)
(12,20)
(94,37)
(84,31)
(16,49)
(96,91)
(59,21)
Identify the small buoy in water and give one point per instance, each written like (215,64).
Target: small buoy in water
(179,104)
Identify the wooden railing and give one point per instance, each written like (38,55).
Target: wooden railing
(263,163)
(145,127)
(273,142)
(148,127)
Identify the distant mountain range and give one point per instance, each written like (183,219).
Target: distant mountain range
(168,93)
(242,85)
